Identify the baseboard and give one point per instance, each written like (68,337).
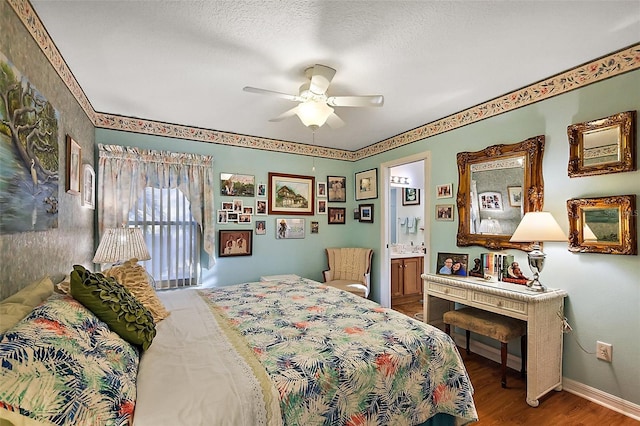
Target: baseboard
(612,402)
(597,396)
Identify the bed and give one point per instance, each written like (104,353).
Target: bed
(292,352)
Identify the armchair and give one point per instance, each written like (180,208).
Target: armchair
(349,269)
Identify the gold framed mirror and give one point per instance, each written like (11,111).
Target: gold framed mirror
(603,225)
(606,145)
(496,187)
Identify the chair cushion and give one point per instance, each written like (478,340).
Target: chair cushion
(486,323)
(352,286)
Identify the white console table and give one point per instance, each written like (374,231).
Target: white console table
(539,310)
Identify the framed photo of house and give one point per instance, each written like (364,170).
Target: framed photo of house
(444,212)
(452,264)
(366,213)
(367,185)
(321,190)
(235,242)
(337,189)
(410,196)
(289,228)
(515,196)
(74,165)
(444,191)
(337,215)
(291,194)
(490,201)
(88,187)
(237,185)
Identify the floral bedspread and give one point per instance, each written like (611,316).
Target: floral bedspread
(336,358)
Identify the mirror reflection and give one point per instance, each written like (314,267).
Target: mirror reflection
(601,146)
(601,225)
(496,196)
(497,186)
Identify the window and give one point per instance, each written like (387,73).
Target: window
(172,236)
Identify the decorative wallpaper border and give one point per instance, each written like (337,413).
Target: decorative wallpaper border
(597,70)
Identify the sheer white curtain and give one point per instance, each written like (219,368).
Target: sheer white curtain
(124,173)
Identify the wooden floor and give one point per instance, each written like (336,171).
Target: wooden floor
(498,406)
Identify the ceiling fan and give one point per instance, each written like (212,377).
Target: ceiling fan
(316,107)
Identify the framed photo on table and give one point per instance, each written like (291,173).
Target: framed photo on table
(367,185)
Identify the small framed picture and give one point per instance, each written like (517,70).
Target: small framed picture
(227,205)
(232,216)
(444,212)
(315,227)
(444,191)
(261,207)
(237,206)
(89,187)
(490,201)
(261,227)
(321,190)
(337,215)
(366,213)
(289,228)
(223,216)
(262,190)
(337,189)
(247,210)
(515,196)
(322,207)
(367,185)
(410,196)
(452,264)
(244,218)
(236,242)
(74,165)
(236,185)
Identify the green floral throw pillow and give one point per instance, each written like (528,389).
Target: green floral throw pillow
(113,304)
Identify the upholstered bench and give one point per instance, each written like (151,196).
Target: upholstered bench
(495,326)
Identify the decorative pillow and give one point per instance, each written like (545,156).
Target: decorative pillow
(135,278)
(113,304)
(17,306)
(62,365)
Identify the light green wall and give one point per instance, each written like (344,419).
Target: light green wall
(604,290)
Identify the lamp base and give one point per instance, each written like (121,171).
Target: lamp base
(535,285)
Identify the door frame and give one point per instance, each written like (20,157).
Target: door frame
(385,228)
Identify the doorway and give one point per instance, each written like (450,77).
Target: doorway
(405,202)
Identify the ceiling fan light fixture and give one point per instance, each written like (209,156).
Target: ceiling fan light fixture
(314,113)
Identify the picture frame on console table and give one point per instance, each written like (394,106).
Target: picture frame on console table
(446,261)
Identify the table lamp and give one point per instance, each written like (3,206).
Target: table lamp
(537,227)
(120,245)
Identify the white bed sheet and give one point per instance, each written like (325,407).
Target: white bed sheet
(192,375)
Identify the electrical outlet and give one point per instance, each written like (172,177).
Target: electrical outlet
(604,351)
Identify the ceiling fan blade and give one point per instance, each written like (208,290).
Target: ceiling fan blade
(321,78)
(356,101)
(286,114)
(334,121)
(286,96)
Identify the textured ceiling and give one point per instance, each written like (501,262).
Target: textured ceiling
(186,62)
